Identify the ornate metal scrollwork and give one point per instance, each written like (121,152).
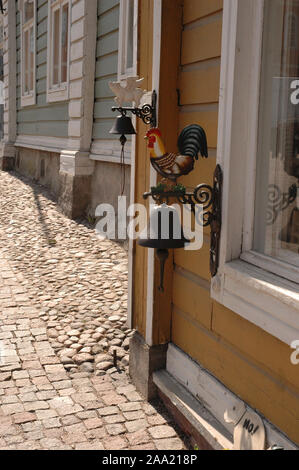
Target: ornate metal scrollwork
(210,199)
(279,201)
(216,221)
(147,112)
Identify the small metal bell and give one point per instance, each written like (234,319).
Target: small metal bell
(123,126)
(164,232)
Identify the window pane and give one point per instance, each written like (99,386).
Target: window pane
(277,205)
(28,10)
(26,61)
(130,34)
(56,36)
(64,42)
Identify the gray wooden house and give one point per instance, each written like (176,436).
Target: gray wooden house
(59,56)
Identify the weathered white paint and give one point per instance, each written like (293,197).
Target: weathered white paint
(108,159)
(110,150)
(76,163)
(199,418)
(37,142)
(61,93)
(236,153)
(133,168)
(81,97)
(29,99)
(10,78)
(216,398)
(124,72)
(157,37)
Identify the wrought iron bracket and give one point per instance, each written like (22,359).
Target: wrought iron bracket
(148,113)
(211,200)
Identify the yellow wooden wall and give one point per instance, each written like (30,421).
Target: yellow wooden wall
(250,362)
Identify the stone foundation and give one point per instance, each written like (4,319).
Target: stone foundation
(106,187)
(74,196)
(7,157)
(40,166)
(7,163)
(144,361)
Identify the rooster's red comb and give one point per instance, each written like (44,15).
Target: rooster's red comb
(154,131)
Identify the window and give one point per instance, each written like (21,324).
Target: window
(258,150)
(126,66)
(58,50)
(276,228)
(28,51)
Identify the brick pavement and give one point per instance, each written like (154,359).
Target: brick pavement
(45,406)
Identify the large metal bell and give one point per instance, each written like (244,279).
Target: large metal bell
(164,232)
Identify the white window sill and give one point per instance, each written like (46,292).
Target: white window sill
(28,100)
(264,299)
(57,94)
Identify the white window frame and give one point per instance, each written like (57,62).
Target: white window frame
(260,289)
(58,92)
(124,72)
(27,99)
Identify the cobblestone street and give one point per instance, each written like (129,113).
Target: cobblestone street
(63,301)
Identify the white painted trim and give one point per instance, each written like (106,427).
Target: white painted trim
(132,186)
(108,159)
(236,153)
(88,79)
(29,99)
(60,93)
(110,150)
(268,301)
(272,265)
(45,143)
(199,418)
(76,163)
(157,38)
(214,395)
(10,75)
(122,41)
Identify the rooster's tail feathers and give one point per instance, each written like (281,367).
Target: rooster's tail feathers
(192,141)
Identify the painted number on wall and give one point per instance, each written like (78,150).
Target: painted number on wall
(295,354)
(295,94)
(250,427)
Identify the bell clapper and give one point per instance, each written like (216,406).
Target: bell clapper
(162,256)
(123,141)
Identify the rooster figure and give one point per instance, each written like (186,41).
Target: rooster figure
(173,165)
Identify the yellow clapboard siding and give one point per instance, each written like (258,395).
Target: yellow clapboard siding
(197,262)
(256,343)
(269,395)
(200,86)
(194,299)
(201,43)
(207,119)
(203,173)
(195,9)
